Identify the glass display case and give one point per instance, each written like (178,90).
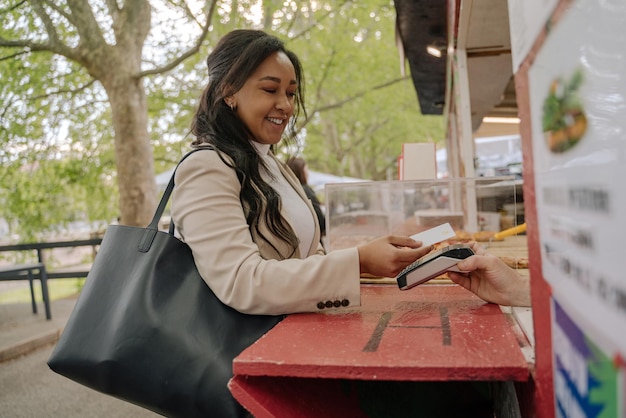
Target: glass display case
(358,212)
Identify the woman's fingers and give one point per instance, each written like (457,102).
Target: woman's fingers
(388,256)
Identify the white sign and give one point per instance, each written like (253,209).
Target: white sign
(577,89)
(526,19)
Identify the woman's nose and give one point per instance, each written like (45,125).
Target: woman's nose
(284,104)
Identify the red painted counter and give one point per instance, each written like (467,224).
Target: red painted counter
(429,333)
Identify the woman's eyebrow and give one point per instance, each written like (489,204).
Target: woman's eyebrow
(276,79)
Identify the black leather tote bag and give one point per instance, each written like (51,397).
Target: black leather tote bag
(147,329)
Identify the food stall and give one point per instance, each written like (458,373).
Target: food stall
(400,352)
(556,69)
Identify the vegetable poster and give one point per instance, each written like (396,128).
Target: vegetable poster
(577,86)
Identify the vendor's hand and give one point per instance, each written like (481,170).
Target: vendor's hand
(491,279)
(388,256)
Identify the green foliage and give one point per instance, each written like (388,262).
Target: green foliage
(47,195)
(361,108)
(56,162)
(56,135)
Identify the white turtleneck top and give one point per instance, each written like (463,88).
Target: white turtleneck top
(294,209)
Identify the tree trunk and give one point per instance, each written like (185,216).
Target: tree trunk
(133,152)
(117,67)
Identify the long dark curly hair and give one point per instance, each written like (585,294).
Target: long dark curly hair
(233,60)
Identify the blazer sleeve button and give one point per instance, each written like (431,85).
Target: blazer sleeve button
(345,302)
(320,305)
(337,303)
(329,303)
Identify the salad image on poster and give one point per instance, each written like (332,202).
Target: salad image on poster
(564,120)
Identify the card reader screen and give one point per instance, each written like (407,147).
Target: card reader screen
(432,265)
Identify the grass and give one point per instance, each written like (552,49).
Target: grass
(57,288)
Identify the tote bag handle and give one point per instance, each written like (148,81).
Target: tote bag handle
(151,230)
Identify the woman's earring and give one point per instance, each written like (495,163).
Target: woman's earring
(230,104)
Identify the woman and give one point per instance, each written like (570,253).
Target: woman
(252,230)
(244,215)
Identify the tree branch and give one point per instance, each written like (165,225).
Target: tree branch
(114,12)
(53,36)
(63,91)
(188,11)
(349,99)
(85,23)
(13,56)
(44,96)
(318,21)
(29,45)
(113,8)
(193,50)
(53,43)
(10,9)
(60,11)
(7,107)
(291,23)
(325,73)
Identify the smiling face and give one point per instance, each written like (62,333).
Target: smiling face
(266,101)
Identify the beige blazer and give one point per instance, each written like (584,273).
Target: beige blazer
(244,271)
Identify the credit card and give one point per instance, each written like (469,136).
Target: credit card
(434,235)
